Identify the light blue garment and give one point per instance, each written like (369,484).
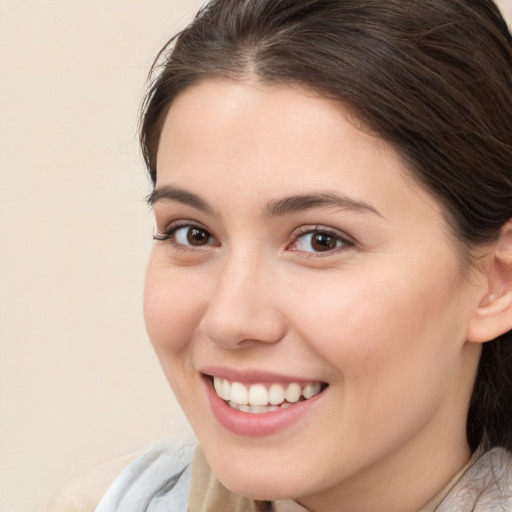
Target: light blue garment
(157,481)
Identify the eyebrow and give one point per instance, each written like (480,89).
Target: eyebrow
(298,203)
(170,193)
(275,208)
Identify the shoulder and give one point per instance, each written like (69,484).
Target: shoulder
(125,483)
(486,485)
(159,478)
(83,493)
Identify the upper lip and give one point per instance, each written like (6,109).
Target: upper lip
(250,375)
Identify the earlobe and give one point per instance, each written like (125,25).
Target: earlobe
(493,315)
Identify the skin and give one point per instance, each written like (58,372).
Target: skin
(382,318)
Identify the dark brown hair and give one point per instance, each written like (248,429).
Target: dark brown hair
(431,77)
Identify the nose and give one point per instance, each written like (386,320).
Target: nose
(244,307)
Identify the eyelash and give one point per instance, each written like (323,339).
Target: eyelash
(169,235)
(346,243)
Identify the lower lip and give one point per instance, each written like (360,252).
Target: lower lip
(259,424)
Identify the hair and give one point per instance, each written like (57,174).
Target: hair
(432,78)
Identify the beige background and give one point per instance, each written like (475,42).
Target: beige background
(78,381)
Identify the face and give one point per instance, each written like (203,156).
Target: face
(303,296)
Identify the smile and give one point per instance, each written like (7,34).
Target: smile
(262,398)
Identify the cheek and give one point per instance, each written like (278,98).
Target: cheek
(372,326)
(391,348)
(172,308)
(172,311)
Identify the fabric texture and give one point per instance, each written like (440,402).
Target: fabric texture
(486,486)
(83,493)
(158,481)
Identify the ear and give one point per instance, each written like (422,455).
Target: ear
(493,315)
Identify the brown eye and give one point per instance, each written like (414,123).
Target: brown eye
(319,240)
(193,236)
(323,242)
(197,236)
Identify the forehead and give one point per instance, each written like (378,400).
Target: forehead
(221,120)
(224,98)
(291,137)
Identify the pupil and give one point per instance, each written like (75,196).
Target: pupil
(322,242)
(197,236)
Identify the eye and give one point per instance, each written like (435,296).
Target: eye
(186,235)
(192,235)
(319,240)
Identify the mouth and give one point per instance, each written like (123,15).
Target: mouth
(260,398)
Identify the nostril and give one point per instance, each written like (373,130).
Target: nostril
(236,328)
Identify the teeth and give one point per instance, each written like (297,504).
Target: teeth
(258,395)
(217,384)
(226,390)
(239,393)
(292,393)
(254,409)
(257,398)
(276,394)
(310,390)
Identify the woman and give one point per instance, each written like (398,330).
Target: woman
(330,287)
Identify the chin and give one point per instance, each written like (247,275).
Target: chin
(261,487)
(260,480)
